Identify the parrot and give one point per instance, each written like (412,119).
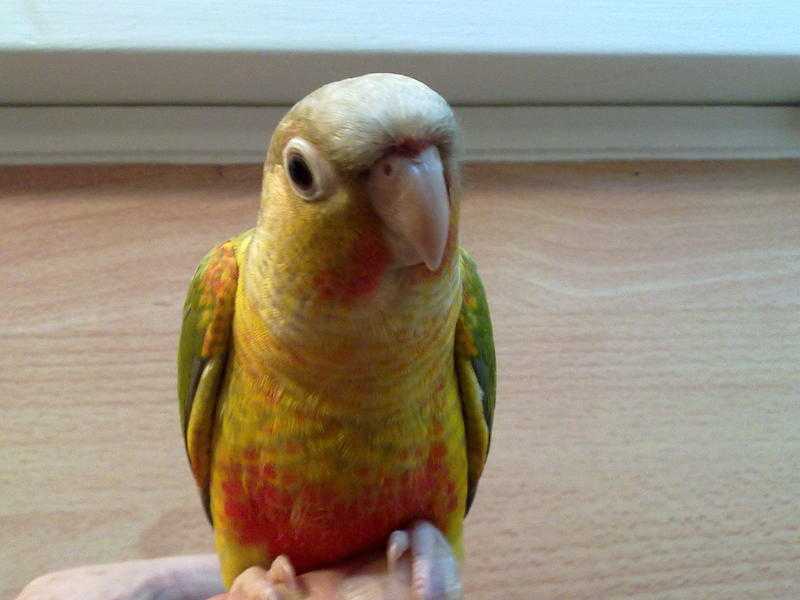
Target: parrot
(336,363)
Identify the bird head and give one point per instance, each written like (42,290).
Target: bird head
(361,186)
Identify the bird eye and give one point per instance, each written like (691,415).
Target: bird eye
(310,175)
(300,173)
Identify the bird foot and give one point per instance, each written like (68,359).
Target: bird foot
(277,583)
(434,570)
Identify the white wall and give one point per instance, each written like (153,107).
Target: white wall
(523,26)
(539,79)
(476,52)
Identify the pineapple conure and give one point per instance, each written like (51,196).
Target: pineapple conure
(336,364)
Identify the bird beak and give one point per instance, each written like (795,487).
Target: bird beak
(410,195)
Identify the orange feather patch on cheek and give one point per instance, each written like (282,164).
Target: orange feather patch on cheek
(361,272)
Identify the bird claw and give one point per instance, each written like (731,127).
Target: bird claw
(434,570)
(255,583)
(282,571)
(399,543)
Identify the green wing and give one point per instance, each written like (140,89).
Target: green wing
(202,354)
(477,371)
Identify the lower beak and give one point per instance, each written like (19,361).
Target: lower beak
(410,196)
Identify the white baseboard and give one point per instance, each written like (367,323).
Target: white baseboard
(231,134)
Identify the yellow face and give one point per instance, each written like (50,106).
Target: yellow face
(333,243)
(343,233)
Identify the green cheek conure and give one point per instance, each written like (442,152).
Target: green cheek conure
(336,364)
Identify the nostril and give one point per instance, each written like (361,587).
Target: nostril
(387,169)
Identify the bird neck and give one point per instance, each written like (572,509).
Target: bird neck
(285,328)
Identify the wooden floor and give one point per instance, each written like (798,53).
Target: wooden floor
(647,436)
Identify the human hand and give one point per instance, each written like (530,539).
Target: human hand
(369,577)
(365,578)
(197,578)
(170,578)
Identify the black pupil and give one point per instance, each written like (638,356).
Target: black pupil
(300,173)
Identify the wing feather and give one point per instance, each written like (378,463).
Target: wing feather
(477,371)
(202,355)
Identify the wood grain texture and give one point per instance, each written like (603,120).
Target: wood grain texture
(647,436)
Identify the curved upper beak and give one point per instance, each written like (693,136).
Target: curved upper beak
(409,194)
